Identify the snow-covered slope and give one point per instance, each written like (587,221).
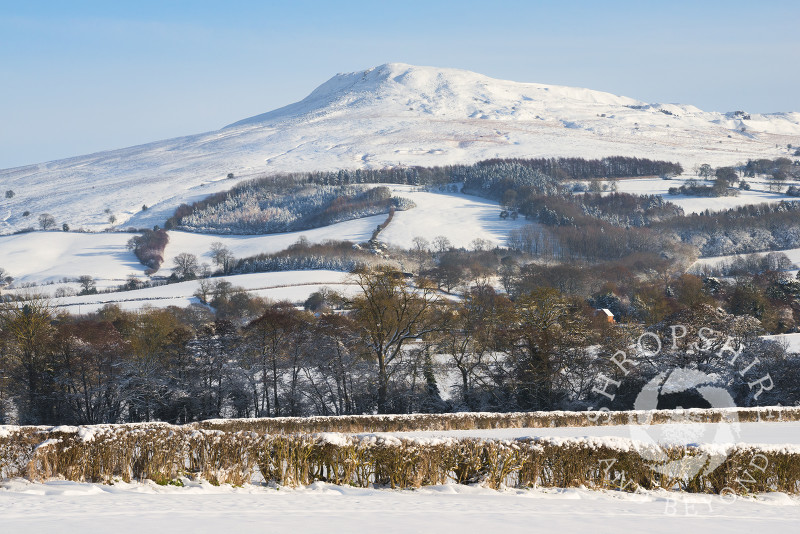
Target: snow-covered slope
(389,115)
(38,258)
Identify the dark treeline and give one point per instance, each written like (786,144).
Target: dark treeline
(591,227)
(744,229)
(617,209)
(596,242)
(779,169)
(602,227)
(334,255)
(585,225)
(498,180)
(271,189)
(392,348)
(583,169)
(720,188)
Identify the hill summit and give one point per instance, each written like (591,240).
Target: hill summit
(447,93)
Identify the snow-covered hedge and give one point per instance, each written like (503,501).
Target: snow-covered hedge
(165,453)
(488,420)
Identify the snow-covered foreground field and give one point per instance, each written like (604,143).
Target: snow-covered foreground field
(79,508)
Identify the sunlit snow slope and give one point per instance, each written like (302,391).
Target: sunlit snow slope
(389,115)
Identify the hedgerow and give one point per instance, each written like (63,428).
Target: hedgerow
(166,453)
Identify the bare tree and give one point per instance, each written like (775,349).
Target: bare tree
(27,334)
(269,339)
(390,315)
(419,250)
(185,265)
(222,257)
(479,244)
(204,271)
(87,284)
(132,282)
(204,290)
(441,244)
(5,278)
(46,221)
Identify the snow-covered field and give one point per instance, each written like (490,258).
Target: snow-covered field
(458,217)
(294,286)
(38,258)
(80,508)
(242,246)
(394,114)
(692,204)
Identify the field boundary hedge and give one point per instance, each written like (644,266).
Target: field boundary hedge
(166,453)
(489,420)
(300,451)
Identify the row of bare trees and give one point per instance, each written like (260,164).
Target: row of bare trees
(398,346)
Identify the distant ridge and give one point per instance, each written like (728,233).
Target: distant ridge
(393,114)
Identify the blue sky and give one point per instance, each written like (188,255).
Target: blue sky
(84,76)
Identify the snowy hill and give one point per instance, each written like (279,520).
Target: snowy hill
(394,114)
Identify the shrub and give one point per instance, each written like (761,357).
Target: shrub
(149,248)
(46,221)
